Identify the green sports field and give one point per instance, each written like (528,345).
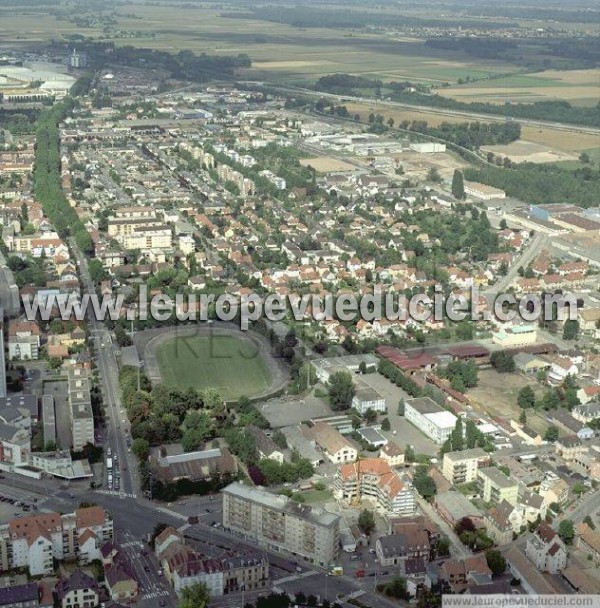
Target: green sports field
(233,366)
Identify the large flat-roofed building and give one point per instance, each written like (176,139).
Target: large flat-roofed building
(461,467)
(350,363)
(280,524)
(80,405)
(436,422)
(48,419)
(483,191)
(516,336)
(496,486)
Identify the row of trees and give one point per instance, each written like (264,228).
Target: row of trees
(543,183)
(470,135)
(46,176)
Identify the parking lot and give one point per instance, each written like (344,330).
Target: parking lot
(291,411)
(402,432)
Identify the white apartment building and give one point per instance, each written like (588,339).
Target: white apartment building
(149,237)
(461,467)
(34,542)
(432,419)
(80,407)
(280,524)
(374,479)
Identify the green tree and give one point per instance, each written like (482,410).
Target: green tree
(366,521)
(396,588)
(194,596)
(385,424)
(526,398)
(551,433)
(141,448)
(578,489)
(589,521)
(433,175)
(424,484)
(458,185)
(566,530)
(341,391)
(456,438)
(570,329)
(502,362)
(495,561)
(523,417)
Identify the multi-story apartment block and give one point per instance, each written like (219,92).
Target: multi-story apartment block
(374,479)
(80,405)
(15,444)
(436,422)
(35,542)
(495,486)
(120,227)
(23,340)
(148,237)
(461,467)
(280,524)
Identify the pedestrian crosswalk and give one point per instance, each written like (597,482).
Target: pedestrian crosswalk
(133,543)
(355,594)
(295,577)
(154,594)
(115,493)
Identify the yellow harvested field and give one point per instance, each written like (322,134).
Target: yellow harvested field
(567,141)
(285,65)
(325,164)
(431,118)
(524,94)
(591,77)
(526,151)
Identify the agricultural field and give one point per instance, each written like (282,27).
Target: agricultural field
(579,87)
(526,151)
(201,362)
(287,53)
(432,118)
(558,139)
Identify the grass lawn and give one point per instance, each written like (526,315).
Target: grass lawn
(311,497)
(232,366)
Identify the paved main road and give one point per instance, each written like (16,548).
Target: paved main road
(109,374)
(534,247)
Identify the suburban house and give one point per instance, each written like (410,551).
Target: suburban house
(546,549)
(393,454)
(265,446)
(335,446)
(77,591)
(393,549)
